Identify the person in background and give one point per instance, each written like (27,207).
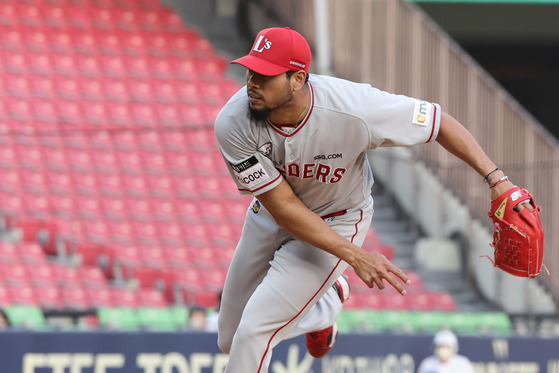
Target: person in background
(197,318)
(445,358)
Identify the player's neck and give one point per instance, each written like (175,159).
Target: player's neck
(296,112)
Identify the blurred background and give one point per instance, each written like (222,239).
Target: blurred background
(117,214)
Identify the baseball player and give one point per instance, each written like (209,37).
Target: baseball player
(297,142)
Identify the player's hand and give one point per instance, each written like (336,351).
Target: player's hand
(374,268)
(502,188)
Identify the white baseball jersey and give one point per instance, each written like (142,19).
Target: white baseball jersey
(457,364)
(324,158)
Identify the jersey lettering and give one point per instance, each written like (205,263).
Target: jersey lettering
(338,174)
(422,113)
(293,169)
(321,172)
(250,172)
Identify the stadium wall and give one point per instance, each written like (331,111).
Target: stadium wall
(111,352)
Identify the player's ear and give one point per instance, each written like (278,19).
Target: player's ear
(298,80)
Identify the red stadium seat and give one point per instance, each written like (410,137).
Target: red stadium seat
(31,253)
(64,276)
(5,298)
(207,299)
(149,277)
(74,298)
(442,301)
(14,274)
(22,295)
(40,275)
(150,298)
(9,253)
(92,277)
(123,297)
(102,297)
(47,296)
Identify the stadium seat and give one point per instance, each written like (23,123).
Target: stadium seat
(74,298)
(31,253)
(119,318)
(427,321)
(419,301)
(48,297)
(101,297)
(495,323)
(464,323)
(92,277)
(156,319)
(123,297)
(22,295)
(40,274)
(206,299)
(8,253)
(151,298)
(442,301)
(65,276)
(25,316)
(14,274)
(5,298)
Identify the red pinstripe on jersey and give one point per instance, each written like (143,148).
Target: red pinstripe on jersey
(433,124)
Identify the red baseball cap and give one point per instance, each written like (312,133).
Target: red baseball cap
(277,50)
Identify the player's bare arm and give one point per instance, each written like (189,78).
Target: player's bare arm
(455,138)
(293,216)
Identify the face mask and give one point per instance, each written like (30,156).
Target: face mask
(444,353)
(197,323)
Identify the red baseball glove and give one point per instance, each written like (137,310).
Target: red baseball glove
(517,236)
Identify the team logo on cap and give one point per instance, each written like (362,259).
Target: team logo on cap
(262,44)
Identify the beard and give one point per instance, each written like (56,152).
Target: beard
(259,115)
(262,114)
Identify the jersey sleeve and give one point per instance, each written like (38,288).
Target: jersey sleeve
(398,120)
(252,171)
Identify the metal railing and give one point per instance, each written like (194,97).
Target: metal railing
(396,47)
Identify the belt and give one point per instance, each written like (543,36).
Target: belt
(334,214)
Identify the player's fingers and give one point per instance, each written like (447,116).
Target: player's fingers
(378,281)
(524,205)
(396,284)
(401,275)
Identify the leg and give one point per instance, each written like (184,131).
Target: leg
(259,240)
(298,278)
(292,285)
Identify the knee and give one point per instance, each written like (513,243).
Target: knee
(224,335)
(241,336)
(224,343)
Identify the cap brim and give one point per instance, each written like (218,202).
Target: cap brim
(260,65)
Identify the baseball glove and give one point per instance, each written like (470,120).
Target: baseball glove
(517,236)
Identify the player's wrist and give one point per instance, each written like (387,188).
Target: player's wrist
(493,176)
(501,188)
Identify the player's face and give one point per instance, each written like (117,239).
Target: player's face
(267,93)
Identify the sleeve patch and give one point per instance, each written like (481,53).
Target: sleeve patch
(422,113)
(250,173)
